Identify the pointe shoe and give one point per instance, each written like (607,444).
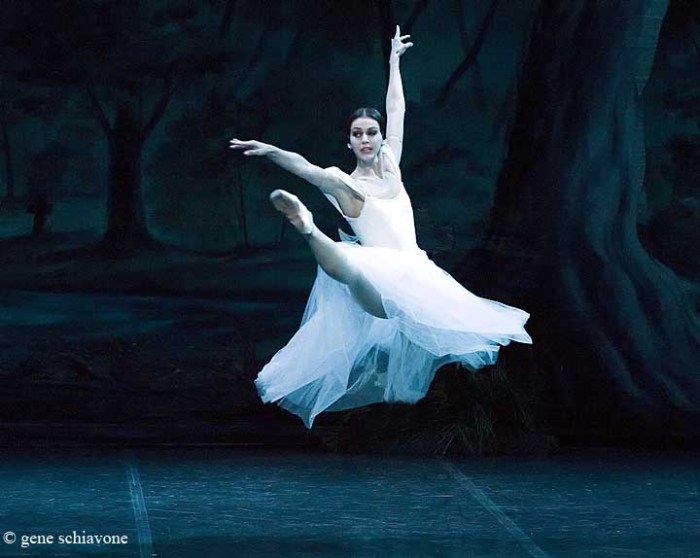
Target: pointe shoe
(295,211)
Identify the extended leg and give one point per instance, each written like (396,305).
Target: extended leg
(331,256)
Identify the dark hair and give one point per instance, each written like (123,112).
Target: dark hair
(365,112)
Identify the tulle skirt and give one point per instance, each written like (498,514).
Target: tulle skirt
(342,357)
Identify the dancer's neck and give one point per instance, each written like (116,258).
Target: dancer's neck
(365,168)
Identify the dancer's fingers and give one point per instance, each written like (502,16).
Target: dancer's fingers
(238,144)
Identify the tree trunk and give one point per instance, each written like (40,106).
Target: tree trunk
(563,243)
(126,228)
(477,81)
(238,184)
(244,216)
(10,193)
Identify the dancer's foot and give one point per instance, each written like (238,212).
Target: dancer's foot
(292,208)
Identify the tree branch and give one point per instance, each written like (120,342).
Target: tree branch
(417,10)
(161,105)
(97,110)
(695,44)
(257,53)
(504,110)
(294,50)
(692,10)
(227,18)
(477,81)
(471,56)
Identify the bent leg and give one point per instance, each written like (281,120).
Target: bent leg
(331,256)
(367,296)
(334,260)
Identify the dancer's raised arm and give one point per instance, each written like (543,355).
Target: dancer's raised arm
(327,182)
(395,102)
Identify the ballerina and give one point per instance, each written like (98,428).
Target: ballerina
(381,318)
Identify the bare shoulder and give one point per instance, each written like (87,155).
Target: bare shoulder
(341,186)
(342,183)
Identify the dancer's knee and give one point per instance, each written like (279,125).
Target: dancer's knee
(367,296)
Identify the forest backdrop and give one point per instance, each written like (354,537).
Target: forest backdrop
(551,153)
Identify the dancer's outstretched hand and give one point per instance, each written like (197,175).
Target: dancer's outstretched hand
(398,46)
(251,147)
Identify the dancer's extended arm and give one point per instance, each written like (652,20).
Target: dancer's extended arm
(327,182)
(395,102)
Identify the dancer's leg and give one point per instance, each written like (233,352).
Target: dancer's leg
(333,259)
(331,256)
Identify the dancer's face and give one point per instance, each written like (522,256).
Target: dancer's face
(365,138)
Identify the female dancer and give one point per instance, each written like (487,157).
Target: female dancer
(381,317)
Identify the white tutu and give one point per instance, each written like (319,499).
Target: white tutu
(342,357)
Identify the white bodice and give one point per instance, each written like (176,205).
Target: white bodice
(383,222)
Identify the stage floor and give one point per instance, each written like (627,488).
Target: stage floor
(219,502)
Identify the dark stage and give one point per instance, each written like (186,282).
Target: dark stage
(460,235)
(222,502)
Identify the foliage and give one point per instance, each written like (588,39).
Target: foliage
(117,44)
(201,202)
(47,170)
(684,167)
(678,90)
(673,236)
(464,413)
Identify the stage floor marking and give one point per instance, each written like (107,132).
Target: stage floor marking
(480,496)
(138,504)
